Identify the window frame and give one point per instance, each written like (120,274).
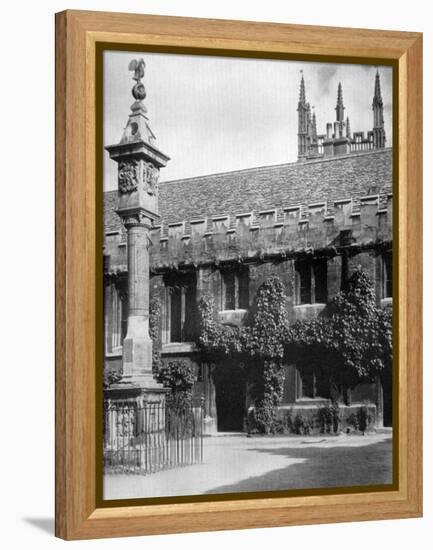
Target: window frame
(299,387)
(241,284)
(308,267)
(187,315)
(386,275)
(119,316)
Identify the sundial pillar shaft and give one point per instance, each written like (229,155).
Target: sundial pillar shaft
(138,266)
(137,345)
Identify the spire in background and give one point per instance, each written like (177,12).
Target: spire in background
(379,137)
(348,133)
(303,120)
(377,99)
(339,139)
(340,107)
(302,97)
(314,124)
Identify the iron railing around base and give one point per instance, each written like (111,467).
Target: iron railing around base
(148,437)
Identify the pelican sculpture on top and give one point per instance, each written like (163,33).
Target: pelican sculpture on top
(138,66)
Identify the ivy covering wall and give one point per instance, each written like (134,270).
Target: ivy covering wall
(259,345)
(348,343)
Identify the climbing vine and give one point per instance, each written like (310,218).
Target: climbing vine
(215,338)
(260,343)
(154,333)
(350,341)
(264,343)
(266,332)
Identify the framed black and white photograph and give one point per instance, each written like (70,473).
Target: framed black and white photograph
(248,286)
(238,299)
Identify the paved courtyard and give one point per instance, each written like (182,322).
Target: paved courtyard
(236,463)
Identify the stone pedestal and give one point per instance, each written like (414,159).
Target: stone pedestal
(134,427)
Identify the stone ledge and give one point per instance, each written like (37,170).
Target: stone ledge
(234,317)
(307,311)
(113,354)
(178,347)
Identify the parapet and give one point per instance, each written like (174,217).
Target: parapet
(248,236)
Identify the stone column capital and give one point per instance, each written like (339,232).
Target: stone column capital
(140,217)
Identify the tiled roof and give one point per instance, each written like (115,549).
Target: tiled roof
(267,187)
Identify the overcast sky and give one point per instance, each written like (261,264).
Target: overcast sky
(215,114)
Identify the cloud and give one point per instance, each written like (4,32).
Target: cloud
(325,77)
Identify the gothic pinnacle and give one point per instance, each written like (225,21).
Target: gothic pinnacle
(340,106)
(340,94)
(377,99)
(302,90)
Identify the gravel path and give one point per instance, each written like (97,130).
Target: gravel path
(236,463)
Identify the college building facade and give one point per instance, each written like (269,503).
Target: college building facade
(311,223)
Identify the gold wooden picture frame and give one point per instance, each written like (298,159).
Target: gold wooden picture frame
(80,38)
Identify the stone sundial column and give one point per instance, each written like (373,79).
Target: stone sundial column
(139,163)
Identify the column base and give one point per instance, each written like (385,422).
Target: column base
(141,383)
(134,429)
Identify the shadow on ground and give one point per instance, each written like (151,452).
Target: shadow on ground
(319,467)
(44,524)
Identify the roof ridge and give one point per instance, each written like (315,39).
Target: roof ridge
(268,166)
(265,187)
(284,164)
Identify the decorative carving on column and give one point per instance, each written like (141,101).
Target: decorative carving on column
(128,176)
(150,178)
(133,173)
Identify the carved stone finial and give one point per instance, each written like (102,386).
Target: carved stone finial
(138,90)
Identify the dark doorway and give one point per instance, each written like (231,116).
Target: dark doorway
(230,389)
